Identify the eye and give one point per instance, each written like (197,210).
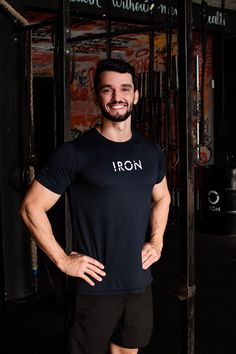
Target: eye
(126,89)
(106,90)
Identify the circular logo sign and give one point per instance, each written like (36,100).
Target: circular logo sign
(213,197)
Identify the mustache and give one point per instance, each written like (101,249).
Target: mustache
(117,102)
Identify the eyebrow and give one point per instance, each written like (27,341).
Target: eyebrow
(110,86)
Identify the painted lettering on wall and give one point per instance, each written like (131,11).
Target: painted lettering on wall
(89,2)
(130,5)
(217,19)
(163,9)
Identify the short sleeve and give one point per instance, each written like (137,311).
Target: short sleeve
(161,164)
(60,170)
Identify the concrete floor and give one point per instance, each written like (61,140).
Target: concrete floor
(35,325)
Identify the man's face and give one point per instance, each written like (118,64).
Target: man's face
(116,95)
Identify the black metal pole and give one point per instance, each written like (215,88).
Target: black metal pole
(63,94)
(63,75)
(151,73)
(108,29)
(187,232)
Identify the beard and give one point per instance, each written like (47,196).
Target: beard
(117,117)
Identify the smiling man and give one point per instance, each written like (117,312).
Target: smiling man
(116,184)
(116,100)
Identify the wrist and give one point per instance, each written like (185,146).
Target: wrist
(157,237)
(156,240)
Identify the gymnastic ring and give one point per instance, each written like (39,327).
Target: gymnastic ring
(176,152)
(198,161)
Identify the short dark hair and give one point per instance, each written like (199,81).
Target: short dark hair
(118,65)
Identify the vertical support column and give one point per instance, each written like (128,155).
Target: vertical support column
(108,29)
(15,254)
(63,94)
(63,75)
(187,232)
(151,74)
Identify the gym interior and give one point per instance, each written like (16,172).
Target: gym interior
(183,54)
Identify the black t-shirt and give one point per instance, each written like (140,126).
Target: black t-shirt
(109,186)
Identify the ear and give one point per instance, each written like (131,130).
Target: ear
(136,96)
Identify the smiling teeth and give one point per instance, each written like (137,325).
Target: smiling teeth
(118,106)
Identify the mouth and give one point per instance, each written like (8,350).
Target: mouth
(117,105)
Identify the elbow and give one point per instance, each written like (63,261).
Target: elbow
(26,210)
(23,211)
(168,199)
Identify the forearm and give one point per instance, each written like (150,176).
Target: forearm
(158,220)
(40,229)
(151,251)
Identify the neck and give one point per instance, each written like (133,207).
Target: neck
(120,131)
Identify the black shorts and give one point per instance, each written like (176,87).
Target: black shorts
(125,320)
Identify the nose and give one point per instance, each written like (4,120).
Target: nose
(115,95)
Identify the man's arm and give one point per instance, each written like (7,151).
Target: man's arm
(158,219)
(33,210)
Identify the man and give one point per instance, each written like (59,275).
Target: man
(116,184)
